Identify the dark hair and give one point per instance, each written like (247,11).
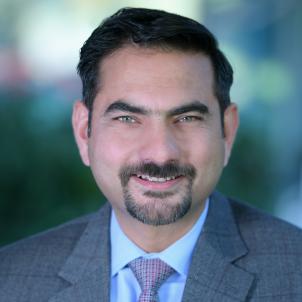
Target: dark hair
(151,28)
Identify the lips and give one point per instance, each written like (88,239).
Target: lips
(155,179)
(157,183)
(155,176)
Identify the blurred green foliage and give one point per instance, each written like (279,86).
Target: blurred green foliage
(43,182)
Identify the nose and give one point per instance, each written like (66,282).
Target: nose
(160,145)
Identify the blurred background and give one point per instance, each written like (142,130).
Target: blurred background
(42,180)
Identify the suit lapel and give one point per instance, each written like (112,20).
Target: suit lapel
(213,276)
(87,270)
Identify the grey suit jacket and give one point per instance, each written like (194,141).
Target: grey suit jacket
(241,255)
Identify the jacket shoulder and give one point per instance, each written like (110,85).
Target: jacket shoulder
(274,254)
(265,229)
(34,263)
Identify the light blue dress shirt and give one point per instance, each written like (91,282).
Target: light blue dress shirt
(124,286)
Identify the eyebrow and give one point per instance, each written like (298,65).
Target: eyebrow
(124,106)
(194,106)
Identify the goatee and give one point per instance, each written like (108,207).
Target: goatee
(157,210)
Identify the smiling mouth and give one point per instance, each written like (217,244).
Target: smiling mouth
(152,176)
(158,183)
(156,179)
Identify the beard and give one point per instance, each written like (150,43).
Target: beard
(158,209)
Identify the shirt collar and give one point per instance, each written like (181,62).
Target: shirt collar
(178,255)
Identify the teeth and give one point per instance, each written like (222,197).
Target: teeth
(156,179)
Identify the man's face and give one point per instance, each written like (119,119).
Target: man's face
(157,147)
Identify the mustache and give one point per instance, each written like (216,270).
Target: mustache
(171,169)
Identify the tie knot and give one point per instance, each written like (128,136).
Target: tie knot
(150,274)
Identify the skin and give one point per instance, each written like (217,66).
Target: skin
(155,106)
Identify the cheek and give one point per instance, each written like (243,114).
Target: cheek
(104,155)
(108,152)
(208,158)
(208,162)
(105,162)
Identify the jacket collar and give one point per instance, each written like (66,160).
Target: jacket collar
(87,270)
(213,276)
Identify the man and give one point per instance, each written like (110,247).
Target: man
(156,126)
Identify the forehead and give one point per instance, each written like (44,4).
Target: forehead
(155,77)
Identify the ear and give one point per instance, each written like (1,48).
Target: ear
(80,129)
(231,123)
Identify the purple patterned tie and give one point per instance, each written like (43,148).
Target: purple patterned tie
(150,274)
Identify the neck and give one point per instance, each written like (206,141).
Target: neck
(154,239)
